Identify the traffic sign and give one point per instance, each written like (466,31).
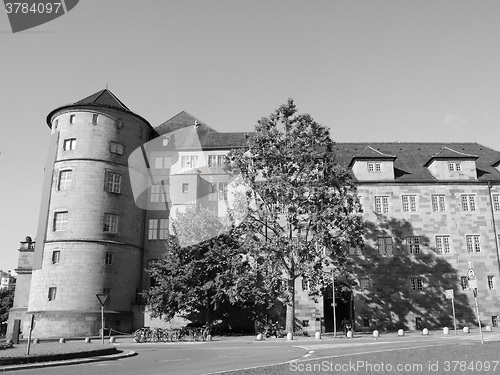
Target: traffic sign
(471,274)
(472,284)
(449,293)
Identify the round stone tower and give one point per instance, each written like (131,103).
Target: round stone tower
(90,235)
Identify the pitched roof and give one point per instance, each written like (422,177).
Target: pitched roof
(104,98)
(448,153)
(369,153)
(411,158)
(182,120)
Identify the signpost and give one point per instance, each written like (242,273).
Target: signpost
(450,295)
(103,298)
(471,275)
(333,305)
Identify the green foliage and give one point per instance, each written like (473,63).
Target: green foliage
(205,275)
(304,211)
(6,302)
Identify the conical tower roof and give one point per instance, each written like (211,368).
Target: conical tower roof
(104,98)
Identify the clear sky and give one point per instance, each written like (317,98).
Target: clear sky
(371,70)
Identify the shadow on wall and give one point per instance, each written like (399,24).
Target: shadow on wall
(407,282)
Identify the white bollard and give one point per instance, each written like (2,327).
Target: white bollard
(488,328)
(259,337)
(401,332)
(466,330)
(446,331)
(289,336)
(62,341)
(425,331)
(375,334)
(349,334)
(317,335)
(87,340)
(112,340)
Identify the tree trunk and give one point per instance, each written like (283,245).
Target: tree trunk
(290,306)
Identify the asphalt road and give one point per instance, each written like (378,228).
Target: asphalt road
(245,353)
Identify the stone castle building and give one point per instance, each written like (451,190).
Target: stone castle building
(431,210)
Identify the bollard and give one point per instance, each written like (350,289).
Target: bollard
(259,337)
(401,332)
(36,341)
(87,340)
(466,330)
(112,339)
(317,335)
(62,340)
(488,328)
(209,338)
(425,331)
(375,334)
(446,331)
(349,334)
(289,336)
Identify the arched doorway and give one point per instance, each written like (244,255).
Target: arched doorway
(344,306)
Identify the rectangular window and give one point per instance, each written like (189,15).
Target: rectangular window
(222,191)
(374,167)
(451,167)
(163,232)
(52,293)
(221,160)
(163,162)
(458,167)
(185,188)
(56,256)
(212,161)
(413,245)
(464,282)
(72,119)
(381,205)
(495,321)
(65,180)
(468,203)
(69,144)
(473,244)
(110,223)
(158,193)
(409,203)
(108,259)
(438,203)
(416,283)
(491,282)
(305,283)
(95,118)
(108,292)
(496,202)
(354,250)
(443,244)
(385,246)
(60,221)
(113,182)
(153,229)
(364,283)
(116,148)
(189,161)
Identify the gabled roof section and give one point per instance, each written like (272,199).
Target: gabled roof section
(369,153)
(447,153)
(104,98)
(182,120)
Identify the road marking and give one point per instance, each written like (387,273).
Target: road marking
(174,360)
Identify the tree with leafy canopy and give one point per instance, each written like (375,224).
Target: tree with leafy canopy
(203,270)
(6,303)
(304,211)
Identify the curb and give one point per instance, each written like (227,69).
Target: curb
(74,361)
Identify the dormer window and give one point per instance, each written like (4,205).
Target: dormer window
(452,167)
(374,167)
